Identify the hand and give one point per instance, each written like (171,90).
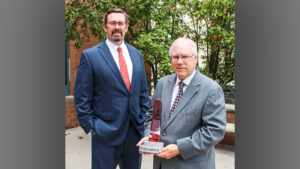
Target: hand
(142,142)
(169,151)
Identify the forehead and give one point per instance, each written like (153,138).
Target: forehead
(115,17)
(181,48)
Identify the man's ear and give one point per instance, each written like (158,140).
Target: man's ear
(104,27)
(126,28)
(197,57)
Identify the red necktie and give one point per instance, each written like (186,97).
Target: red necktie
(123,69)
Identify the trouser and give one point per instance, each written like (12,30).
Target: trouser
(126,154)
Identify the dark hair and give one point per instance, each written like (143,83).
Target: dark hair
(115,10)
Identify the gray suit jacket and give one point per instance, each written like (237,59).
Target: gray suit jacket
(197,124)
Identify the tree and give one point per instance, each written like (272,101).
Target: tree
(213,30)
(155,24)
(165,25)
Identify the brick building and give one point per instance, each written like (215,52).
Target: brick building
(72,56)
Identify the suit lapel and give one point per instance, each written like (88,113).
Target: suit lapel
(166,99)
(186,97)
(105,53)
(135,63)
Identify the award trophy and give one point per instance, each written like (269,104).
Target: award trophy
(154,145)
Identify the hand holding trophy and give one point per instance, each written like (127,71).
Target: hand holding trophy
(154,145)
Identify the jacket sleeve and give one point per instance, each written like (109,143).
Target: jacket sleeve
(144,96)
(83,94)
(211,130)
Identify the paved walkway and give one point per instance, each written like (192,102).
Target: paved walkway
(78,152)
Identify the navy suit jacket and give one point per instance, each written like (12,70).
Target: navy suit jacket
(102,100)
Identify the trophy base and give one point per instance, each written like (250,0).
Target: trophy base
(151,147)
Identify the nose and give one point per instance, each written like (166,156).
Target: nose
(180,60)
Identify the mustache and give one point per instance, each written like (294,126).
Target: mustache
(115,31)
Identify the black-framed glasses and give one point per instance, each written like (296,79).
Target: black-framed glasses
(183,58)
(114,23)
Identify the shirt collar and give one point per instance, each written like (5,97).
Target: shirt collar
(113,46)
(187,80)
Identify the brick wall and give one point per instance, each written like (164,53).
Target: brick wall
(70,113)
(75,55)
(229,138)
(230,117)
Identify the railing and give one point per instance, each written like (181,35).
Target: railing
(229,93)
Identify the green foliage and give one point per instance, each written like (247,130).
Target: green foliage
(213,23)
(155,24)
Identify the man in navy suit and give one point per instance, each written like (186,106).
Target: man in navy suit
(111,96)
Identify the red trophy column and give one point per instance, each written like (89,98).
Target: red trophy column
(155,122)
(154,145)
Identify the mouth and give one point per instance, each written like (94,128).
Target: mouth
(116,32)
(117,35)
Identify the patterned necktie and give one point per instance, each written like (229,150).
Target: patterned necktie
(176,101)
(123,69)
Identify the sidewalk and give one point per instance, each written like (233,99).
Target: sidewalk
(78,152)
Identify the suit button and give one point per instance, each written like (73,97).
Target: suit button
(164,134)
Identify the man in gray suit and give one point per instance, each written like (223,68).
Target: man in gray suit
(193,116)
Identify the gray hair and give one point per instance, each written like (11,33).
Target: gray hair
(191,43)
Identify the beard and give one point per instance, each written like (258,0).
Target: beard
(117,38)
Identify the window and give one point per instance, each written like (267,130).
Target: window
(67,76)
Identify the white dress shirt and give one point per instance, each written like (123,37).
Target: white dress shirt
(114,52)
(186,82)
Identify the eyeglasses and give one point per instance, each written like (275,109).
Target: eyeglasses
(183,58)
(114,23)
